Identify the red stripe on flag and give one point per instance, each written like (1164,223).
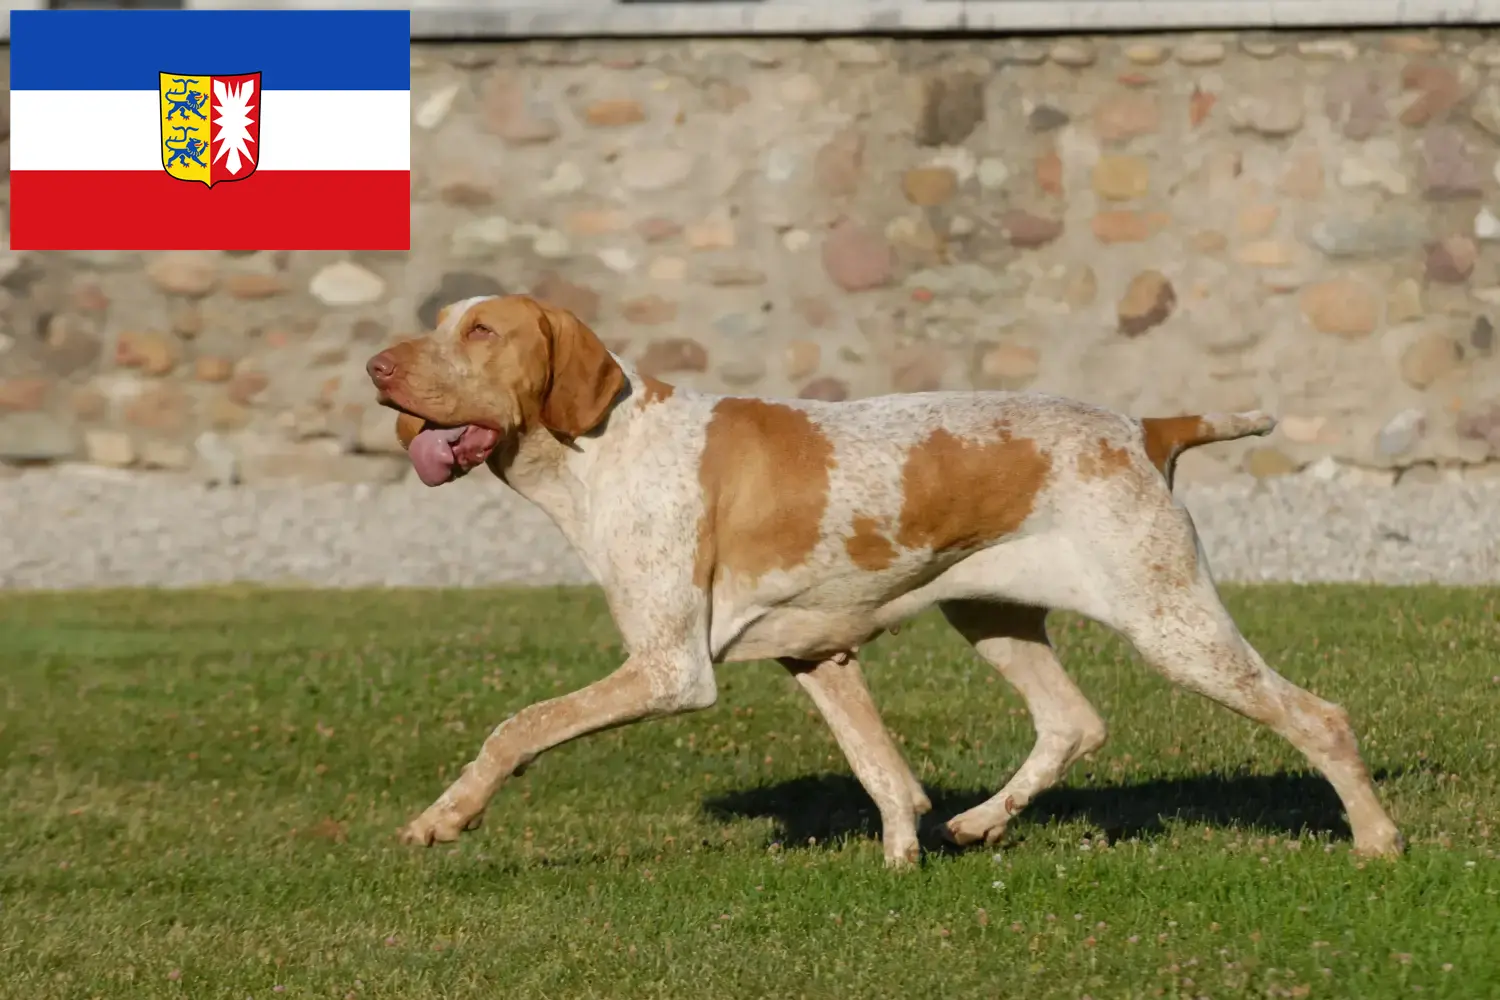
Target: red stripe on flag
(271,210)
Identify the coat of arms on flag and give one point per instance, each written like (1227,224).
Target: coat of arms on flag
(210,126)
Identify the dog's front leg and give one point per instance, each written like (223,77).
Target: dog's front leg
(645,686)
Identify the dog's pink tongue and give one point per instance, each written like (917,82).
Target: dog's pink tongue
(431,454)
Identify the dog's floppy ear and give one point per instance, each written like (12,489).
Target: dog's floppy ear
(584,378)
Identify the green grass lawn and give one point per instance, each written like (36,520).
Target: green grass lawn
(201,792)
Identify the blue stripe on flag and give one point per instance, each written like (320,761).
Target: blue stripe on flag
(293,49)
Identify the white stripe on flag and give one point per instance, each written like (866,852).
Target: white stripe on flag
(121,130)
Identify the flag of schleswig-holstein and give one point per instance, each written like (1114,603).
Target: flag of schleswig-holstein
(210,130)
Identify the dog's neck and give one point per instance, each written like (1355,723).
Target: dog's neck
(557,473)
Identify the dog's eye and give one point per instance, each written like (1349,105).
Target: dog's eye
(479,332)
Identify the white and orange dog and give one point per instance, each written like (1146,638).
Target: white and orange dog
(728,528)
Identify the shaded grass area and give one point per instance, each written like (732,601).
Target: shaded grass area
(201,791)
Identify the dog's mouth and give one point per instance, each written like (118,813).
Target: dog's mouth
(441,454)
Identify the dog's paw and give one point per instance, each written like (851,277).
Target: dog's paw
(1383,842)
(438,826)
(903,855)
(977,826)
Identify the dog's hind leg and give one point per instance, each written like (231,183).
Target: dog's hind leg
(1192,641)
(1013,639)
(1163,599)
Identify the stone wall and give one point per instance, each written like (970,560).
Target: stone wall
(1159,224)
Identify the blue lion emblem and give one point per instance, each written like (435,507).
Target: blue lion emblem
(188,148)
(189,102)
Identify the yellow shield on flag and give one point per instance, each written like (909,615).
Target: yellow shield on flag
(210,126)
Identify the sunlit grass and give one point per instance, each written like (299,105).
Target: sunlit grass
(201,792)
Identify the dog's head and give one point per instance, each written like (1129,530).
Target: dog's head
(495,368)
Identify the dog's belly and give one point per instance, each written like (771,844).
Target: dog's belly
(802,633)
(813,619)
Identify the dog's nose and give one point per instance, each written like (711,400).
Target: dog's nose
(381,367)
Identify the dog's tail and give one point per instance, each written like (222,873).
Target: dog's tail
(1167,437)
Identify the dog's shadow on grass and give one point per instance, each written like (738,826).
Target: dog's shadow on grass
(831,807)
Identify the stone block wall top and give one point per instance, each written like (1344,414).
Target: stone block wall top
(434,19)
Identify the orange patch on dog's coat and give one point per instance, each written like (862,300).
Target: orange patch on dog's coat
(1167,437)
(868,547)
(964,494)
(656,390)
(1103,462)
(764,474)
